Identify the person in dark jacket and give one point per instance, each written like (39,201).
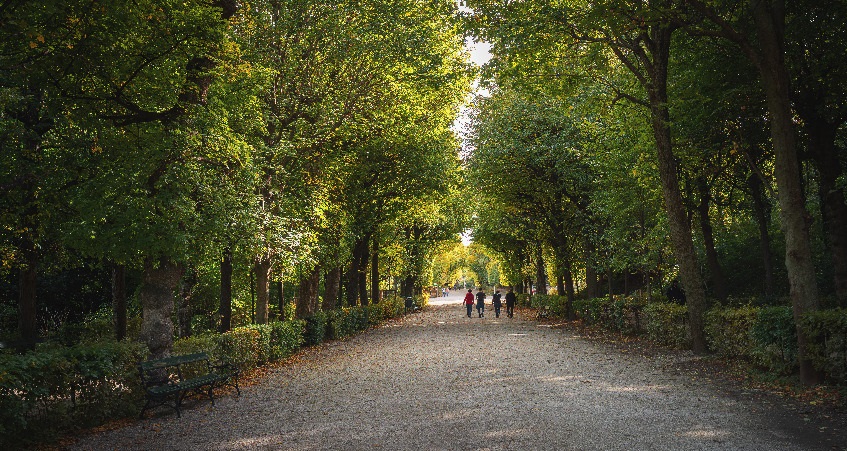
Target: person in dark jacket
(495,301)
(510,303)
(480,302)
(675,293)
(469,301)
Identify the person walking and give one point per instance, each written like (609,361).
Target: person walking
(480,302)
(495,301)
(469,301)
(510,303)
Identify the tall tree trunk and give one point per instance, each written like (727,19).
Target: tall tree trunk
(186,309)
(592,282)
(27,283)
(762,213)
(540,272)
(686,257)
(352,290)
(225,306)
(280,289)
(833,209)
(262,268)
(769,17)
(569,291)
(307,297)
(375,270)
(560,282)
(158,288)
(119,300)
(719,289)
(362,272)
(333,288)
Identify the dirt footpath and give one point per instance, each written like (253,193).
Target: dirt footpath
(438,380)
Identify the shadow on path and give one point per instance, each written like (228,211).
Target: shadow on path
(439,380)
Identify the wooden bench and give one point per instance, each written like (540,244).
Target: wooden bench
(167,381)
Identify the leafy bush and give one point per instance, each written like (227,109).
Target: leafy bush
(667,323)
(523,299)
(340,323)
(50,391)
(775,339)
(422,300)
(263,342)
(828,344)
(728,330)
(592,311)
(625,314)
(316,328)
(239,347)
(286,338)
(393,306)
(552,304)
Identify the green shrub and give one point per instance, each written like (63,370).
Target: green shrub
(774,337)
(340,323)
(375,314)
(827,330)
(728,330)
(286,338)
(422,300)
(239,347)
(552,304)
(592,311)
(197,343)
(523,299)
(51,391)
(667,323)
(263,342)
(625,314)
(316,328)
(393,306)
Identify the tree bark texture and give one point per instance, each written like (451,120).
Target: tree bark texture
(680,231)
(307,294)
(762,213)
(262,268)
(333,288)
(540,272)
(592,283)
(769,17)
(158,288)
(119,300)
(362,272)
(716,275)
(356,274)
(375,270)
(27,284)
(833,209)
(185,313)
(225,307)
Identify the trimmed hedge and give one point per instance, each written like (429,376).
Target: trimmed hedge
(728,331)
(552,304)
(828,346)
(54,390)
(667,323)
(765,336)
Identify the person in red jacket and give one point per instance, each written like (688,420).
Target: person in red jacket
(469,301)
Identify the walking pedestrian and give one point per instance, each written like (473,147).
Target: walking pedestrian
(469,301)
(495,301)
(510,303)
(480,302)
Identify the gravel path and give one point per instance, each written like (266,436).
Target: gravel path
(439,380)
